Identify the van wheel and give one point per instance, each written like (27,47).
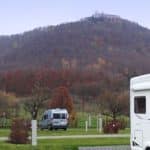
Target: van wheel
(65,129)
(148,148)
(50,127)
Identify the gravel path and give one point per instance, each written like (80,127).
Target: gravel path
(77,136)
(106,148)
(85,136)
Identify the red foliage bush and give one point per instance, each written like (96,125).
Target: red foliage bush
(19,132)
(112,126)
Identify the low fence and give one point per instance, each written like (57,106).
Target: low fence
(5,123)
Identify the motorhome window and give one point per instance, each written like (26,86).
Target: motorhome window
(140,105)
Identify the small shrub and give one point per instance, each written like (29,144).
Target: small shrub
(112,126)
(19,132)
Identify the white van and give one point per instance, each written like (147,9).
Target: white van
(140,112)
(54,119)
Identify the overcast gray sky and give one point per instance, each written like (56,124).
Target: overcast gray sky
(17,16)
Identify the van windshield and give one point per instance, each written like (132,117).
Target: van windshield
(59,116)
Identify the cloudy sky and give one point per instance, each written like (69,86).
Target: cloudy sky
(17,16)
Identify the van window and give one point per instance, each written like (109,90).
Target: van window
(56,116)
(140,104)
(63,116)
(45,117)
(59,116)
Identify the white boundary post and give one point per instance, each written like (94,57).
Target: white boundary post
(89,120)
(86,126)
(97,123)
(34,132)
(100,123)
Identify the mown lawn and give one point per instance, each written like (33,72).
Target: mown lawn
(4,132)
(66,144)
(70,131)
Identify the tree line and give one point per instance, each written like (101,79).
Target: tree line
(106,93)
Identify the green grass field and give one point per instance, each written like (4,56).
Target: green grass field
(70,131)
(66,144)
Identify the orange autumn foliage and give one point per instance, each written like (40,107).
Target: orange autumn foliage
(62,99)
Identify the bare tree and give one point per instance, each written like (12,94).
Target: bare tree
(114,103)
(39,96)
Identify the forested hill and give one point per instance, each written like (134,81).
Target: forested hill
(94,42)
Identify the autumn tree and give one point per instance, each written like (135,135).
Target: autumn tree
(62,99)
(8,107)
(8,103)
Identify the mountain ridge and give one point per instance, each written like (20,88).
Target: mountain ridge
(93,42)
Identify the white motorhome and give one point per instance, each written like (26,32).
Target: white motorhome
(54,119)
(140,112)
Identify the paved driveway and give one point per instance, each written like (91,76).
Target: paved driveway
(106,148)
